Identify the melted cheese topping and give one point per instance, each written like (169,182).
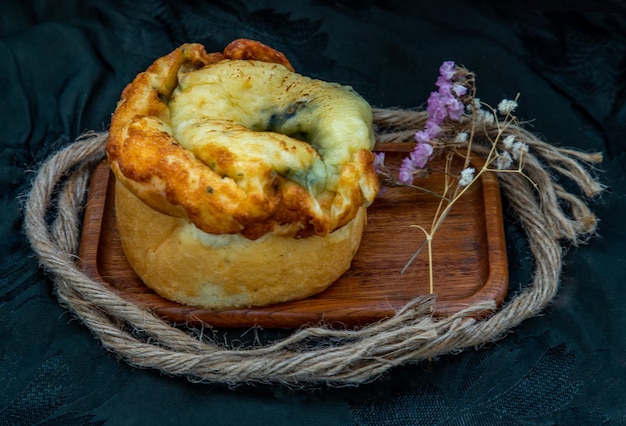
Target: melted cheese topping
(305,129)
(243,146)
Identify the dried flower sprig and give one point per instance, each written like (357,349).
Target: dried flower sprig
(457,120)
(446,104)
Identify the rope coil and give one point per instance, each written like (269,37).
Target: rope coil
(345,357)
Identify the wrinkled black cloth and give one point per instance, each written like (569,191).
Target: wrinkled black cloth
(63,66)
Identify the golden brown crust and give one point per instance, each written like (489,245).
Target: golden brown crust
(221,224)
(254,50)
(151,162)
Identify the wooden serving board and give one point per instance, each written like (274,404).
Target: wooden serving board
(469,257)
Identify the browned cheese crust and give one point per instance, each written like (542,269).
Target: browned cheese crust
(218,211)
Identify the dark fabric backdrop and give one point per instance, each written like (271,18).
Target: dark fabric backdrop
(62,68)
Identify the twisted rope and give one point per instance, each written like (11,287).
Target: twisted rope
(340,357)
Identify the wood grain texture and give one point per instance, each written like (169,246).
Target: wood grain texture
(469,256)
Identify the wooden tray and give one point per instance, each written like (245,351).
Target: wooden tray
(469,256)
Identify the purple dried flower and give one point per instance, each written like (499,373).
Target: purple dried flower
(430,132)
(443,83)
(417,159)
(455,109)
(422,136)
(406,171)
(442,104)
(379,160)
(421,154)
(459,89)
(447,70)
(436,108)
(433,128)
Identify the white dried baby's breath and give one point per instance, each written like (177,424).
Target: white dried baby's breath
(506,106)
(504,160)
(519,149)
(467,175)
(485,117)
(461,137)
(508,142)
(473,106)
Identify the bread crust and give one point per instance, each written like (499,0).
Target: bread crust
(221,202)
(181,263)
(160,148)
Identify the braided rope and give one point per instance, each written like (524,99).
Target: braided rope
(344,357)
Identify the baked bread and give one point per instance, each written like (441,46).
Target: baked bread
(182,263)
(239,182)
